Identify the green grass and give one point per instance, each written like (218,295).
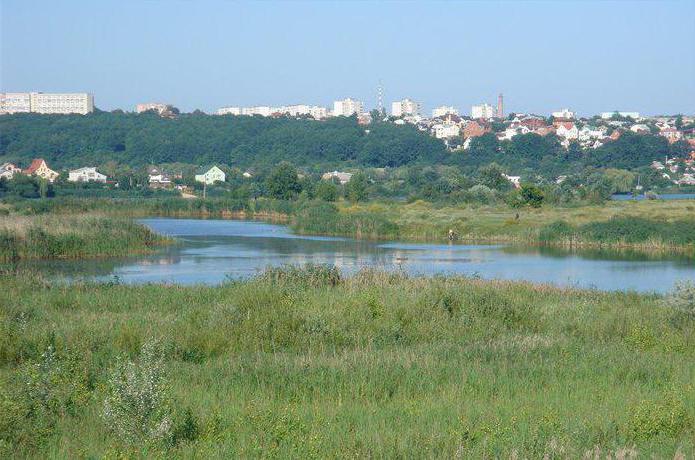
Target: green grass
(305,364)
(72,236)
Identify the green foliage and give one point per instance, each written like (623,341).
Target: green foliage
(356,190)
(302,364)
(326,191)
(682,298)
(139,139)
(491,177)
(137,408)
(667,417)
(531,195)
(283,182)
(622,230)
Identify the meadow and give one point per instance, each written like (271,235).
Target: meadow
(302,363)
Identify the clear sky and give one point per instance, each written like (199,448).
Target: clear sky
(590,56)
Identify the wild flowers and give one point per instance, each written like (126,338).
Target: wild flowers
(136,407)
(682,297)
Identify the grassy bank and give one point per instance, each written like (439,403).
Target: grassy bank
(644,225)
(305,364)
(72,236)
(638,225)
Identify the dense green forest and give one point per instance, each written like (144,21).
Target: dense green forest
(74,141)
(68,141)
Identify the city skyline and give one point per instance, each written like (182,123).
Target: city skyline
(217,54)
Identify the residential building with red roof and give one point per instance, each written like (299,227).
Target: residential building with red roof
(39,168)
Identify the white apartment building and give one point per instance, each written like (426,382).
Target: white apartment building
(86,175)
(82,103)
(15,103)
(443,111)
(405,108)
(446,130)
(566,114)
(156,106)
(229,111)
(347,107)
(608,115)
(485,111)
(292,110)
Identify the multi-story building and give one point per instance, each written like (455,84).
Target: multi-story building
(446,130)
(347,107)
(229,111)
(82,103)
(87,174)
(609,115)
(156,106)
(405,108)
(484,111)
(15,103)
(564,114)
(443,111)
(266,111)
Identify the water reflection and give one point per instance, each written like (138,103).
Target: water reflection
(210,251)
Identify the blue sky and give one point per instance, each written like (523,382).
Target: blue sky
(589,56)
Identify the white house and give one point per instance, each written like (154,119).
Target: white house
(211,176)
(343,177)
(158,178)
(446,130)
(443,111)
(515,180)
(8,170)
(567,130)
(86,175)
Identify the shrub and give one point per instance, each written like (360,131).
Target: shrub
(136,407)
(682,297)
(308,275)
(665,417)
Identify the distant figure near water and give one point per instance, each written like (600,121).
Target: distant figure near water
(452,235)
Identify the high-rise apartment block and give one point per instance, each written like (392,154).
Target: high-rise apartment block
(65,103)
(564,114)
(405,108)
(443,111)
(485,111)
(266,111)
(156,106)
(347,107)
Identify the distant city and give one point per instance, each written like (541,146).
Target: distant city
(446,122)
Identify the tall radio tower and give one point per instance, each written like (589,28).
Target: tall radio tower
(500,107)
(380,99)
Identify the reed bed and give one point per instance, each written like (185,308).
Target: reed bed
(73,236)
(305,363)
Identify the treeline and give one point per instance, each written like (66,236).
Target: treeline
(534,154)
(135,140)
(71,141)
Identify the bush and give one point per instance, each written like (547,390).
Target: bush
(308,275)
(682,297)
(136,408)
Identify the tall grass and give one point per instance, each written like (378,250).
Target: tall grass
(310,365)
(622,231)
(72,236)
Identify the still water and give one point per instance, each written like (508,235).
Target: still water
(211,251)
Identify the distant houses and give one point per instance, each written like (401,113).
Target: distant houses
(157,178)
(8,170)
(210,175)
(86,174)
(39,168)
(342,177)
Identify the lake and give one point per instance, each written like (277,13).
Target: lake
(212,251)
(665,196)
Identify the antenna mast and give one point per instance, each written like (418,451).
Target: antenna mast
(380,99)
